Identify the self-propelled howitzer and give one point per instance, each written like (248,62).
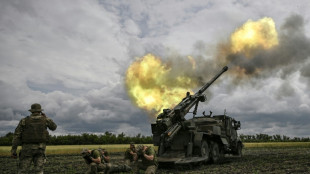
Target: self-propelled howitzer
(183,141)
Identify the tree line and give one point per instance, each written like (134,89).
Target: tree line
(110,138)
(272,138)
(87,139)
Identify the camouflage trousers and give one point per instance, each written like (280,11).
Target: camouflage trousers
(129,162)
(94,168)
(151,169)
(106,168)
(29,156)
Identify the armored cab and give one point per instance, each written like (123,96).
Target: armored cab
(199,139)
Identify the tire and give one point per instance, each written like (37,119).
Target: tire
(204,150)
(217,154)
(239,150)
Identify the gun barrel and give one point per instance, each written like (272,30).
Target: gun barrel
(206,86)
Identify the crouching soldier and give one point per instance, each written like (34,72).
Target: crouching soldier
(97,162)
(149,161)
(130,153)
(105,155)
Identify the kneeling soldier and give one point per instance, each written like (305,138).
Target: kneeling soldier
(149,160)
(130,154)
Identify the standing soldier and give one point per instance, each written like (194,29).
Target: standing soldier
(31,133)
(130,154)
(149,160)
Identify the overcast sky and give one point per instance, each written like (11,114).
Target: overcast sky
(72,56)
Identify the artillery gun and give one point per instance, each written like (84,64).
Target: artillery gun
(199,139)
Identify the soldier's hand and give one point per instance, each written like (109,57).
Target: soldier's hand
(85,153)
(14,155)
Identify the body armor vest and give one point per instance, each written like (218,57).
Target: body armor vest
(35,130)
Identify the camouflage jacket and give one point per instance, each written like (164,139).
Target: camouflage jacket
(128,155)
(149,151)
(19,130)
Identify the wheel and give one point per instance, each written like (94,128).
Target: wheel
(216,153)
(204,150)
(239,150)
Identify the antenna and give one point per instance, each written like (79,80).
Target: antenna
(225,111)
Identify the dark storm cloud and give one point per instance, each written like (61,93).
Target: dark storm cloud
(282,123)
(285,90)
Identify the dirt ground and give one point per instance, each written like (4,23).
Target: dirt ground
(254,160)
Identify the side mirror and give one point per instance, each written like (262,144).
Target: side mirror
(237,125)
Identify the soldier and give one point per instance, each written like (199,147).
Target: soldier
(31,133)
(105,155)
(96,161)
(149,160)
(130,154)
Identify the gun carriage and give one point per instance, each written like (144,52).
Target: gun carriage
(199,139)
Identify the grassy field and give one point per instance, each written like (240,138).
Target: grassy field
(257,158)
(71,149)
(277,144)
(76,149)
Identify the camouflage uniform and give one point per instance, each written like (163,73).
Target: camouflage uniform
(129,158)
(31,133)
(103,166)
(150,167)
(94,168)
(106,154)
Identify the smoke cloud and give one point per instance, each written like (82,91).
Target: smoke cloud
(292,54)
(288,57)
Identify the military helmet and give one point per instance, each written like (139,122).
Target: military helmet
(140,147)
(36,107)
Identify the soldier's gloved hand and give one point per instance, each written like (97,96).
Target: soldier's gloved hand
(14,155)
(85,155)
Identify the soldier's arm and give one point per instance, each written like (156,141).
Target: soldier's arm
(135,157)
(132,152)
(96,160)
(51,124)
(107,158)
(149,155)
(17,136)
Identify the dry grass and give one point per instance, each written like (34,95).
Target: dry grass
(72,149)
(277,144)
(76,149)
